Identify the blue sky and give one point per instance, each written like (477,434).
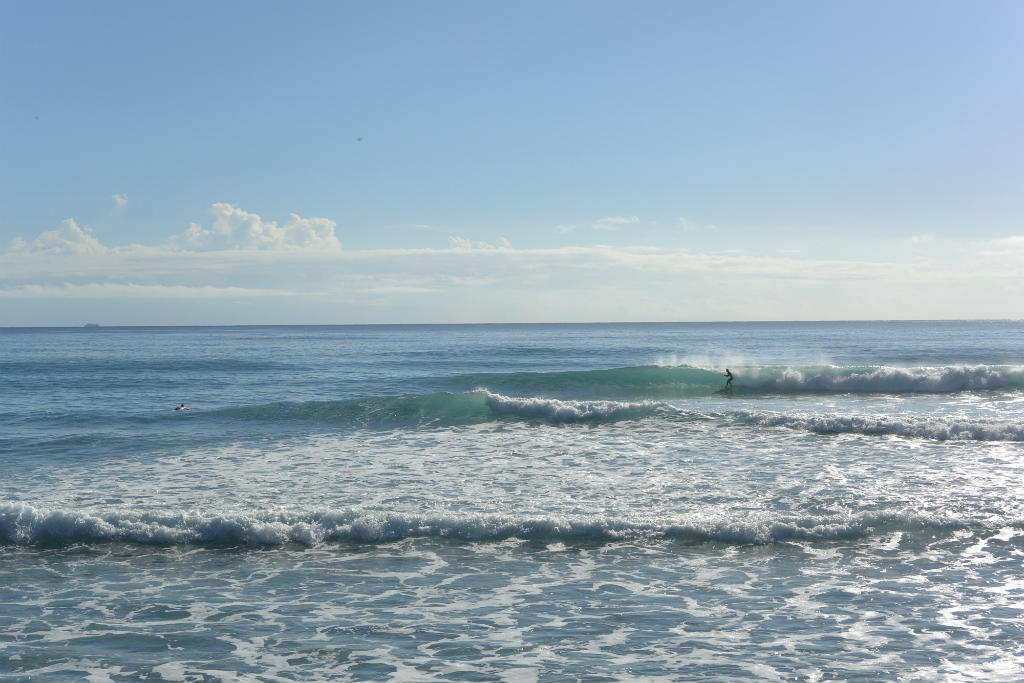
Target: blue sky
(246,162)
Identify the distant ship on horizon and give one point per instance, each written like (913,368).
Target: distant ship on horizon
(91,325)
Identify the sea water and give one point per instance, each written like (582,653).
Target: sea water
(513,503)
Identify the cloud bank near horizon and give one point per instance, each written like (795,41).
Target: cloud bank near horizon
(298,272)
(233,229)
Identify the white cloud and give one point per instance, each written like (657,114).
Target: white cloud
(690,226)
(607,223)
(397,289)
(241,258)
(1011,242)
(69,239)
(110,290)
(923,238)
(120,199)
(615,222)
(234,228)
(463,244)
(1008,249)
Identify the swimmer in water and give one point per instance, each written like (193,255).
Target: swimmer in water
(181,407)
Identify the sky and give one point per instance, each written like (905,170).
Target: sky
(196,163)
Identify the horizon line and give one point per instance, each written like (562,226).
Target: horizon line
(93,326)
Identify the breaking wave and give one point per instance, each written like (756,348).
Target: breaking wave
(659,382)
(886,380)
(446,409)
(621,394)
(23,524)
(938,428)
(556,411)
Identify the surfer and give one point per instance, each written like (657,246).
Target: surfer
(181,407)
(728,380)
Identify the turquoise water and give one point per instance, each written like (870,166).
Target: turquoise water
(513,502)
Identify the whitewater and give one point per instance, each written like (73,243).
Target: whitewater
(513,502)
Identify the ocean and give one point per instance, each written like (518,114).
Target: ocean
(513,503)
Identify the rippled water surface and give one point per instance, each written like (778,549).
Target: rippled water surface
(519,503)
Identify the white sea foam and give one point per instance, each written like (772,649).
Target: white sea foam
(915,427)
(560,411)
(943,379)
(306,522)
(24,524)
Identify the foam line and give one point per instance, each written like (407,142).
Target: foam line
(24,524)
(938,428)
(445,409)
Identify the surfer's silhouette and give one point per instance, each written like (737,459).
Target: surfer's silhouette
(728,380)
(181,407)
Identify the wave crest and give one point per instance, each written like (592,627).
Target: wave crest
(663,382)
(559,412)
(24,524)
(940,429)
(884,380)
(446,409)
